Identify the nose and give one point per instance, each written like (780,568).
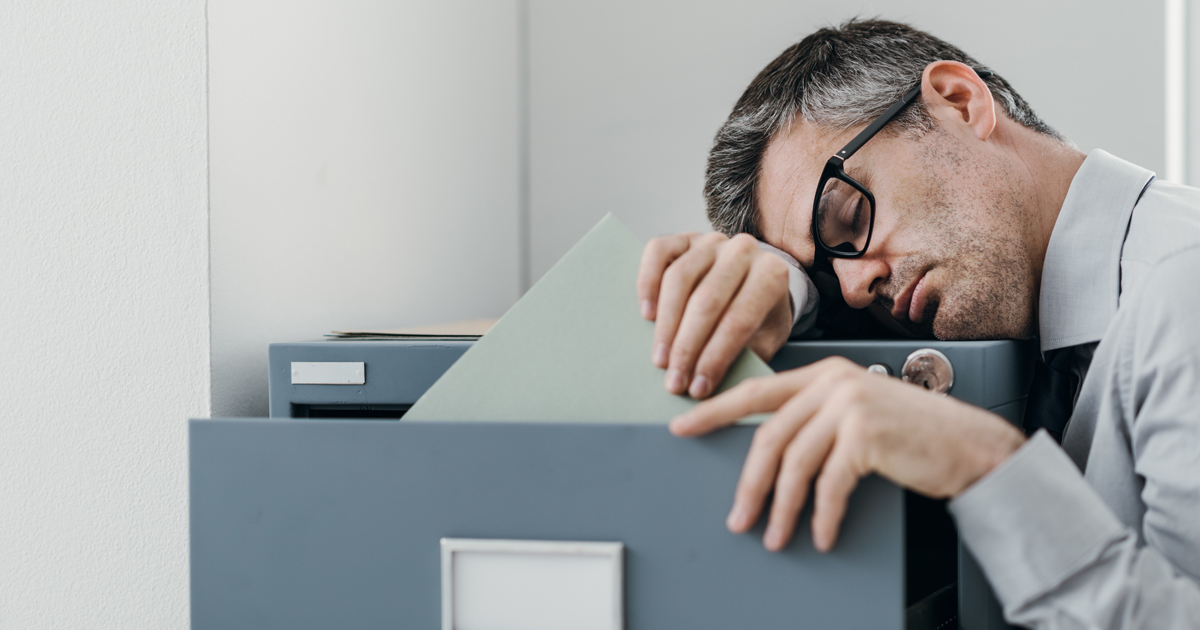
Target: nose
(861,279)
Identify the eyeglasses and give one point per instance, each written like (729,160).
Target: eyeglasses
(843,215)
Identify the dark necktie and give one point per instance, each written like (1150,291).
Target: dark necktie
(1052,394)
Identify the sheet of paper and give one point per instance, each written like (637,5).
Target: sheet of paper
(469,328)
(574,348)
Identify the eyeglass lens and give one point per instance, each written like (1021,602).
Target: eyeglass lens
(843,217)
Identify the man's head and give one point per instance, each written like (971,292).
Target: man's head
(955,200)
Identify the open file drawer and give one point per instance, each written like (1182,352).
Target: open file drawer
(323,524)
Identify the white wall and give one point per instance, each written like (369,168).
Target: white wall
(103,308)
(626,96)
(365,156)
(364,173)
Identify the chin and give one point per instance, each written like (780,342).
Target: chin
(951,324)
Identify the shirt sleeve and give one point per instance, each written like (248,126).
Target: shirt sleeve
(801,288)
(1056,555)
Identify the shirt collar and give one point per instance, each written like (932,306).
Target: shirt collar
(1081,278)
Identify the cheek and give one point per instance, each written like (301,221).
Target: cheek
(915,219)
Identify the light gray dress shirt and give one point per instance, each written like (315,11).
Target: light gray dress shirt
(1104,532)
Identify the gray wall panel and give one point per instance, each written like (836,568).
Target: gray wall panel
(626,96)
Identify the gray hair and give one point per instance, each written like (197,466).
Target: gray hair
(837,78)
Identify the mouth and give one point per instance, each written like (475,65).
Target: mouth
(910,304)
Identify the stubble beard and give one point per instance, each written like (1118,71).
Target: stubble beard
(987,275)
(988,296)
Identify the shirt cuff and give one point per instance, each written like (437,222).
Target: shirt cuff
(1033,522)
(801,289)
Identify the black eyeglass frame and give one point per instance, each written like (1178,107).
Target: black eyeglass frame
(834,170)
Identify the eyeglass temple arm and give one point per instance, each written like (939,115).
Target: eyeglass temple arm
(879,123)
(887,116)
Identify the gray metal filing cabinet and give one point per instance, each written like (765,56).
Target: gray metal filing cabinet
(335,521)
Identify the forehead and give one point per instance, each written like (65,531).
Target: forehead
(787,184)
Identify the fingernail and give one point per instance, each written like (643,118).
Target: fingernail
(660,355)
(820,542)
(736,522)
(647,309)
(700,387)
(675,383)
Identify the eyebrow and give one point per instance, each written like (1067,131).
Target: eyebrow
(806,235)
(860,172)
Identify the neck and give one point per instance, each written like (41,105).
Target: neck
(1046,167)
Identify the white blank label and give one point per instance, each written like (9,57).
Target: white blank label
(532,585)
(329,373)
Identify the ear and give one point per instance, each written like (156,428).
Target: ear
(955,95)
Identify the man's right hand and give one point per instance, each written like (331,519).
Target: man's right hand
(709,297)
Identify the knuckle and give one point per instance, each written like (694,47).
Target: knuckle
(647,279)
(794,456)
(682,353)
(849,394)
(743,243)
(831,362)
(739,324)
(766,437)
(753,387)
(826,487)
(840,367)
(712,238)
(704,304)
(775,271)
(743,239)
(772,265)
(856,427)
(853,424)
(657,246)
(674,275)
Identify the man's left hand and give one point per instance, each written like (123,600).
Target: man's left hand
(837,422)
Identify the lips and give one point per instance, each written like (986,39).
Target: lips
(910,304)
(916,306)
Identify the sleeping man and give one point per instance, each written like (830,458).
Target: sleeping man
(921,180)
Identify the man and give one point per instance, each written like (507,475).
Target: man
(957,213)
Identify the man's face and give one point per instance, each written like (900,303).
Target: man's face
(948,255)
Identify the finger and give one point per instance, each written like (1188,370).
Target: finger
(764,289)
(706,307)
(677,284)
(656,257)
(801,461)
(754,395)
(771,336)
(763,460)
(838,479)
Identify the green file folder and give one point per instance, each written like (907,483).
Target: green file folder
(574,348)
